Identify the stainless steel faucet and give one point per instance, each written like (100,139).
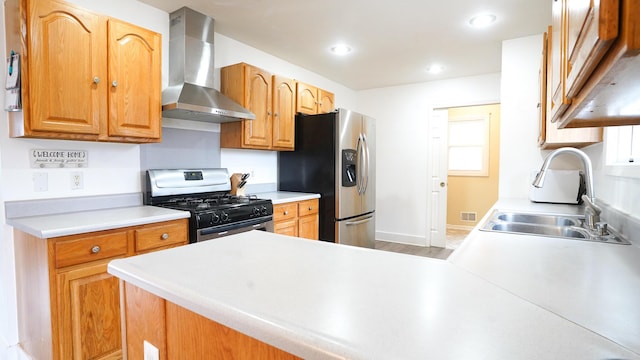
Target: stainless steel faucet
(591,211)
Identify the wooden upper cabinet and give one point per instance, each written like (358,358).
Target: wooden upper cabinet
(274,100)
(134,57)
(327,102)
(250,87)
(307,101)
(312,100)
(284,113)
(595,60)
(550,137)
(84,76)
(67,53)
(558,102)
(591,27)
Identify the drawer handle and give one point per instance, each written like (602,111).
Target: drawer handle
(165,236)
(95,249)
(286,212)
(310,208)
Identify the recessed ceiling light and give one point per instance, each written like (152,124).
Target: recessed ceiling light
(435,69)
(482,20)
(341,49)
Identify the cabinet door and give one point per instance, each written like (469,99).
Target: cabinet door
(284,113)
(327,103)
(289,227)
(559,102)
(592,25)
(134,81)
(89,313)
(257,133)
(307,101)
(308,227)
(68,69)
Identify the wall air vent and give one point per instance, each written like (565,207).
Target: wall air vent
(468,216)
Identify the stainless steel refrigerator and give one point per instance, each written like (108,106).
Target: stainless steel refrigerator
(335,157)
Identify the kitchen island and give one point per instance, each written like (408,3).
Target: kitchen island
(321,300)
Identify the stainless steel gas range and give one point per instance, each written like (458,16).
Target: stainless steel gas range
(205,194)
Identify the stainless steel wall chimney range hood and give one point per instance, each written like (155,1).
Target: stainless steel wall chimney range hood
(191,94)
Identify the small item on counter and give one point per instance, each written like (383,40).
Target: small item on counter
(238,181)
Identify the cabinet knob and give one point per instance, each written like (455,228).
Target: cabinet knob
(269,113)
(275,114)
(164,236)
(114,83)
(96,80)
(286,213)
(95,249)
(310,208)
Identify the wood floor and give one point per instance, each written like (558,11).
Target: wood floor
(454,239)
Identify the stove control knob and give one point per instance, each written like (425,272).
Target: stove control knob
(256,211)
(263,210)
(224,216)
(215,218)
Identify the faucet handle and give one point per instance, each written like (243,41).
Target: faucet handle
(601,228)
(591,204)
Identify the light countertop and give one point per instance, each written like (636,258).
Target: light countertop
(48,226)
(323,300)
(281,197)
(595,285)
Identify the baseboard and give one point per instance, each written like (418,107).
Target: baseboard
(460,227)
(401,238)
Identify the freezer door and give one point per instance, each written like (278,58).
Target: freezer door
(368,193)
(348,201)
(359,231)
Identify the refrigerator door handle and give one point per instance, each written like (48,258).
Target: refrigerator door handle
(365,176)
(359,164)
(352,223)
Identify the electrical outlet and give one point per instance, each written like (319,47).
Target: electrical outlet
(77,181)
(150,352)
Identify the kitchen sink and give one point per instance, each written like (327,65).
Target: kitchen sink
(549,225)
(554,231)
(539,219)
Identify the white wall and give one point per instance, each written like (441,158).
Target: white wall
(519,152)
(402,116)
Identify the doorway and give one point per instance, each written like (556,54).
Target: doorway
(464,182)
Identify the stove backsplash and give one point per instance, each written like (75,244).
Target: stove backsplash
(184,148)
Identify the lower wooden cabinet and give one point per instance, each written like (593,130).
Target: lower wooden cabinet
(89,313)
(297,219)
(179,333)
(68,305)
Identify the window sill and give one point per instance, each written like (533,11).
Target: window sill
(623,170)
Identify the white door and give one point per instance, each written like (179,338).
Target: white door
(437,206)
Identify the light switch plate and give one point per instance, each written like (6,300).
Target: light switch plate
(40,182)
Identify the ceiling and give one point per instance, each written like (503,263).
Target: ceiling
(393,42)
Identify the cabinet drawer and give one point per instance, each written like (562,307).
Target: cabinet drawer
(161,235)
(285,211)
(289,227)
(90,248)
(308,207)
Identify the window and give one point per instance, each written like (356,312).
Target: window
(469,146)
(622,156)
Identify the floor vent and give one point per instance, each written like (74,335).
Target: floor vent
(468,216)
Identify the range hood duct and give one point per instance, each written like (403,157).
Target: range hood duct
(191,94)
